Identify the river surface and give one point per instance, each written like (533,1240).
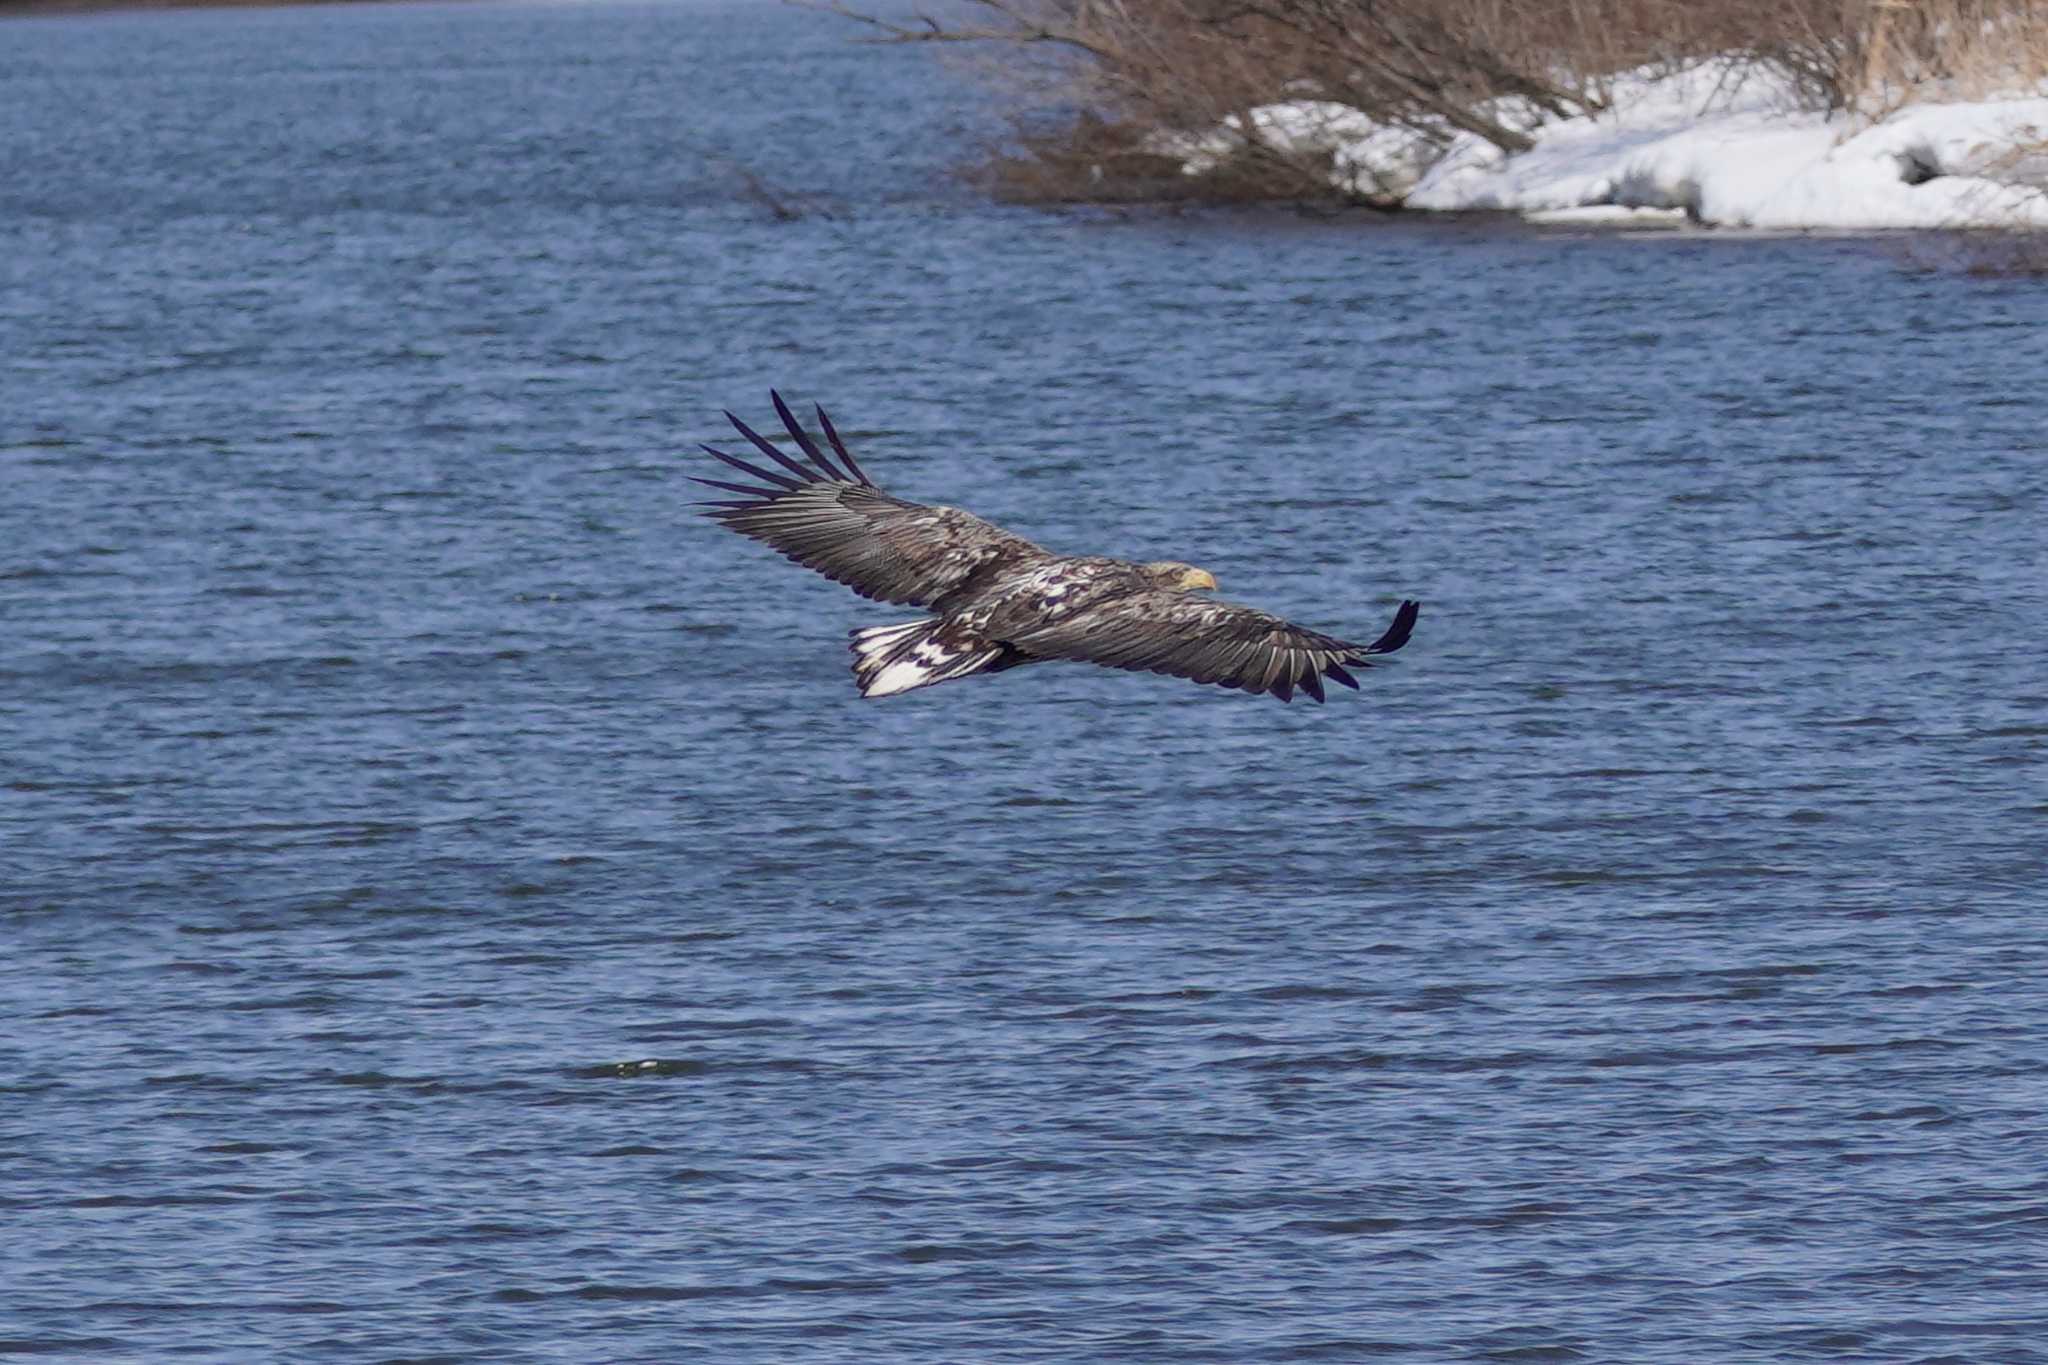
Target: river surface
(454,907)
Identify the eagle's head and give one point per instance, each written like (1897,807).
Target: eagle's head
(1178,577)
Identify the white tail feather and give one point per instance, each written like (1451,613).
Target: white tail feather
(893,659)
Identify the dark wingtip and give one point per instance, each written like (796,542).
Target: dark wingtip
(768,448)
(1311,683)
(721,484)
(803,438)
(1338,673)
(839,446)
(1398,633)
(736,462)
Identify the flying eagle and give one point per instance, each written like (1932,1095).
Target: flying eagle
(1001,601)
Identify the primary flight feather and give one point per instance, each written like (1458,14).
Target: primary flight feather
(999,601)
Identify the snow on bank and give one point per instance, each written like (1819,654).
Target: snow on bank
(1724,146)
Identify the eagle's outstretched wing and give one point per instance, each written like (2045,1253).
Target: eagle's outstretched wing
(1209,641)
(837,522)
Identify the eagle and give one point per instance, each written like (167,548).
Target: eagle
(997,600)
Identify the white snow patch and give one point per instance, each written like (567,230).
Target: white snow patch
(1723,145)
(1609,216)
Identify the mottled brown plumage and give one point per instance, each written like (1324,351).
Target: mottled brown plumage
(999,600)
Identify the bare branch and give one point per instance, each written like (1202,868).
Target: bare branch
(1022,30)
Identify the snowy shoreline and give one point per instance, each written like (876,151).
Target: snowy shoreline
(1716,145)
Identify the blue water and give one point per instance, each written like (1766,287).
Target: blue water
(453,906)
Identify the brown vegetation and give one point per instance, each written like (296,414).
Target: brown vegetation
(1089,124)
(1946,49)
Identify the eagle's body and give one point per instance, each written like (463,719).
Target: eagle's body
(1000,601)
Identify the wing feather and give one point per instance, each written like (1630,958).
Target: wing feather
(803,438)
(883,547)
(839,446)
(768,447)
(1200,638)
(755,470)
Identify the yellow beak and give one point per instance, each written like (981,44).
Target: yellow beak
(1198,578)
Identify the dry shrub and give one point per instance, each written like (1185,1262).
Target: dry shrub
(1869,56)
(1088,160)
(1130,75)
(1948,49)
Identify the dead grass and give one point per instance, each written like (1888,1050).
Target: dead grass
(1947,49)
